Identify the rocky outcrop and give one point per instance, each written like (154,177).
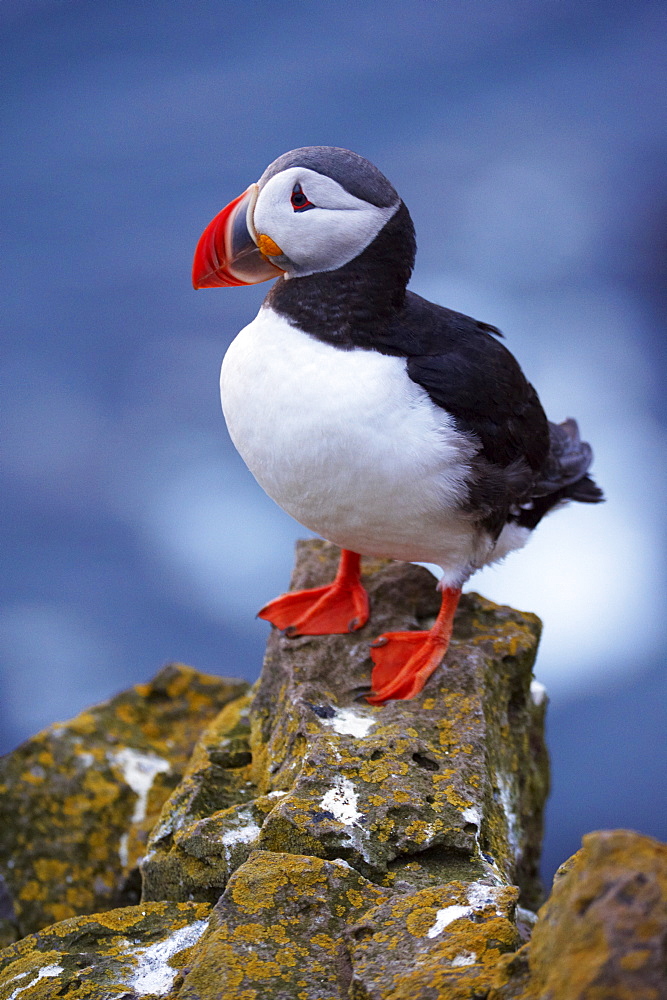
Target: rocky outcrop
(315,847)
(452,782)
(603,931)
(78,801)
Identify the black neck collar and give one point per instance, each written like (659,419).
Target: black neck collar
(351,307)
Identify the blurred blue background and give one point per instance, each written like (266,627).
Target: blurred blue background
(527,138)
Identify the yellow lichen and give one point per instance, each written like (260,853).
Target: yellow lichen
(263,892)
(419,921)
(377,771)
(60,911)
(33,777)
(251,933)
(85,724)
(291,956)
(457,800)
(324,941)
(32,890)
(635,959)
(50,868)
(418,830)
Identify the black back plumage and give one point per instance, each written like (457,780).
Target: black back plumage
(524,465)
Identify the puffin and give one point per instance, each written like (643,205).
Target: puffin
(389,425)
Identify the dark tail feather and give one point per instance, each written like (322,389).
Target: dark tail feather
(569,460)
(565,476)
(585,491)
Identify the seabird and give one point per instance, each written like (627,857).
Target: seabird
(387,424)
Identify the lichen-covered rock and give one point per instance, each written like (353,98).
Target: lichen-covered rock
(291,927)
(352,852)
(278,931)
(78,800)
(133,952)
(439,942)
(602,934)
(460,772)
(355,852)
(208,826)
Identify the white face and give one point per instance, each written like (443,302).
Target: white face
(336,230)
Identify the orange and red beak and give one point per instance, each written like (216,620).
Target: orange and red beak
(227,253)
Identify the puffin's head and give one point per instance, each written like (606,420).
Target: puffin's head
(313,209)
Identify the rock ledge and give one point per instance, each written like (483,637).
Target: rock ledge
(310,846)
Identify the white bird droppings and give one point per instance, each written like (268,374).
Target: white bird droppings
(347,722)
(465,958)
(472,815)
(139,771)
(241,835)
(123,852)
(153,974)
(341,802)
(538,692)
(447,916)
(505,792)
(47,972)
(479,897)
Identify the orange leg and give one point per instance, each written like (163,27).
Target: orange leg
(404,661)
(341,606)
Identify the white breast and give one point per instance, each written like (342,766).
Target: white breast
(348,445)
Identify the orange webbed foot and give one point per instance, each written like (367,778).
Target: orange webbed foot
(322,611)
(404,661)
(337,608)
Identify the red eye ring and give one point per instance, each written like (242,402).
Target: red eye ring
(299,200)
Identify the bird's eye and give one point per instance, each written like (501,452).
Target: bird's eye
(299,200)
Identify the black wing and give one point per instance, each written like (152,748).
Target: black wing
(526,465)
(467,372)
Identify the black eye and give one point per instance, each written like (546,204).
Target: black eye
(299,200)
